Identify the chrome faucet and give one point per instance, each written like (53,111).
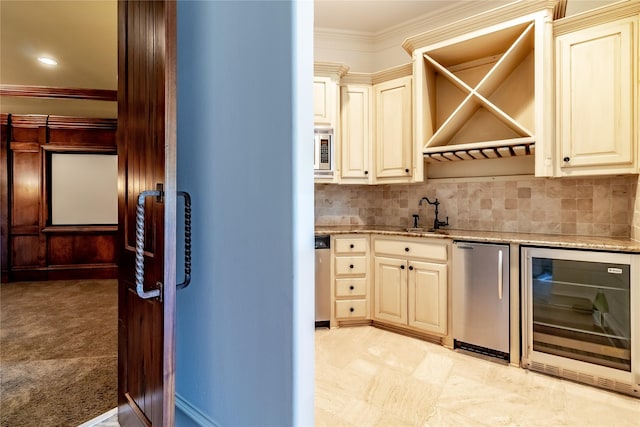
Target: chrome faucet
(436,223)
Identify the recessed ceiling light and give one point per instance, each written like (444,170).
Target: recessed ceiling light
(47,61)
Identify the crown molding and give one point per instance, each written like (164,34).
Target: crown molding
(357,79)
(378,77)
(392,73)
(479,22)
(329,69)
(619,10)
(374,42)
(387,38)
(58,92)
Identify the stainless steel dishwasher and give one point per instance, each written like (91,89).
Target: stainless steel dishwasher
(323,280)
(481,298)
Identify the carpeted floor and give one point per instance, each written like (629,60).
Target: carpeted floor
(58,352)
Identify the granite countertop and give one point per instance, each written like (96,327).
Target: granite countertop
(616,244)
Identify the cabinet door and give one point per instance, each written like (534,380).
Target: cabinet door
(356,133)
(595,98)
(393,138)
(390,290)
(323,101)
(427,300)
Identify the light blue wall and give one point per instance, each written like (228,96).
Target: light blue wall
(245,324)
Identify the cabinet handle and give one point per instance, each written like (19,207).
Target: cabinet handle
(566,159)
(350,265)
(351,309)
(411,267)
(500,278)
(351,287)
(351,246)
(406,249)
(406,170)
(366,172)
(402,267)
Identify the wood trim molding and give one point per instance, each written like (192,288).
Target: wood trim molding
(596,16)
(481,22)
(67,122)
(392,73)
(329,69)
(58,92)
(65,229)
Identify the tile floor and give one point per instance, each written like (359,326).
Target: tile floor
(369,377)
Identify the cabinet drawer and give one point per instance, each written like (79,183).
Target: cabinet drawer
(411,249)
(356,287)
(351,308)
(351,245)
(351,265)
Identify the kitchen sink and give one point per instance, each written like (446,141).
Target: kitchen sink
(426,231)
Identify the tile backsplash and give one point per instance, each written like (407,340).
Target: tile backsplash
(603,206)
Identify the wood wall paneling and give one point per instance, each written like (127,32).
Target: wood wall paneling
(30,250)
(4,198)
(25,191)
(75,248)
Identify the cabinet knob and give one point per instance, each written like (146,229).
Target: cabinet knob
(406,249)
(351,246)
(566,159)
(411,267)
(402,267)
(366,172)
(351,309)
(350,265)
(351,287)
(406,170)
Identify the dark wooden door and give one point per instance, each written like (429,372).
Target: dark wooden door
(146,163)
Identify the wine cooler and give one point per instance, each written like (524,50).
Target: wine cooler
(581,316)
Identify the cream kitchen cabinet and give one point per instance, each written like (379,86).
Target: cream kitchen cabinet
(411,283)
(393,138)
(376,128)
(483,93)
(356,132)
(597,94)
(350,273)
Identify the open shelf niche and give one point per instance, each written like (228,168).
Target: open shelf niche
(480,93)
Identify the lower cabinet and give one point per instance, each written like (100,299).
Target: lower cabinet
(410,283)
(350,272)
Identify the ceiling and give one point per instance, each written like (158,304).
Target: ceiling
(374,16)
(82,35)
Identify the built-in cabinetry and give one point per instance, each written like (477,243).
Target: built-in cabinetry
(356,118)
(326,110)
(350,278)
(393,131)
(410,283)
(376,128)
(596,93)
(482,92)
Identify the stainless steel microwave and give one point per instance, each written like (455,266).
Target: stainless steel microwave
(323,159)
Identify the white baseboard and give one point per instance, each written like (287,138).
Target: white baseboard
(193,413)
(100,418)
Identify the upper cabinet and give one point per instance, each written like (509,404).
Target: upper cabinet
(324,101)
(326,114)
(394,135)
(597,92)
(482,90)
(376,128)
(326,93)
